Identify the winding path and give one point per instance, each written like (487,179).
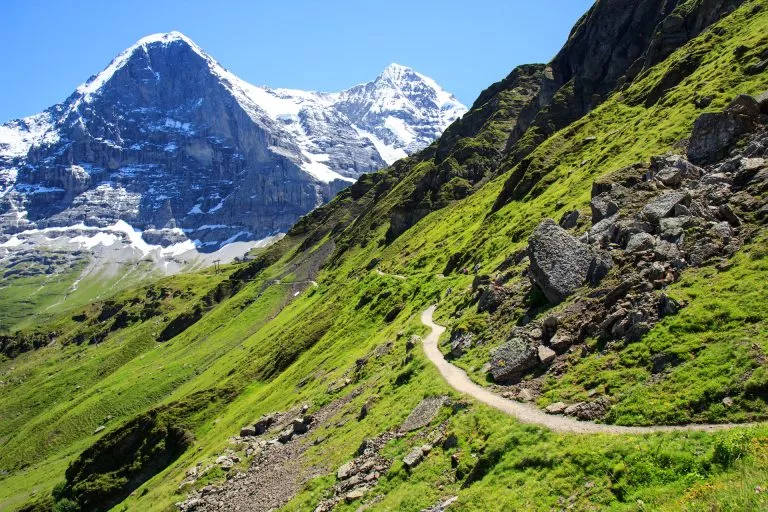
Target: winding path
(527,413)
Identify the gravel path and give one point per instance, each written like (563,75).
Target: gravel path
(526,413)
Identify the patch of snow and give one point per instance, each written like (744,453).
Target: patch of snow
(178,248)
(170,147)
(12,242)
(402,131)
(100,238)
(195,210)
(320,170)
(387,152)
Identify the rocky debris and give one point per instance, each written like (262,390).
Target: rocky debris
(276,471)
(356,477)
(715,133)
(512,359)
(424,413)
(560,263)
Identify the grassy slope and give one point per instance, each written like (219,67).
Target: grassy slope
(322,333)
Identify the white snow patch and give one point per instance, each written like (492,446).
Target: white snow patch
(388,153)
(178,248)
(320,170)
(101,238)
(401,130)
(12,242)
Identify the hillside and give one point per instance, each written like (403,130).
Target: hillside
(298,380)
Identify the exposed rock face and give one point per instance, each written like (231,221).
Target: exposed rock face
(714,133)
(560,263)
(170,142)
(609,47)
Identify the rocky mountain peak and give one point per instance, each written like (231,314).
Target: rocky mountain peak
(168,142)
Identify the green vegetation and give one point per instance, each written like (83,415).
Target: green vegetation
(268,339)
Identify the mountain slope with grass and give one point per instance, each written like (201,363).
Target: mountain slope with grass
(297,381)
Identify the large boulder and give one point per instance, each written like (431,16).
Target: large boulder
(715,133)
(560,263)
(664,206)
(512,359)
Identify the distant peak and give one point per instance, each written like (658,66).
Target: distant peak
(397,72)
(93,85)
(164,37)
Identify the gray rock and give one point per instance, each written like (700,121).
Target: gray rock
(461,341)
(556,408)
(355,494)
(718,178)
(346,471)
(570,219)
(715,133)
(423,413)
(560,263)
(762,100)
(641,242)
(285,435)
(589,411)
(261,426)
(247,431)
(491,297)
(546,354)
(625,229)
(414,457)
(602,206)
(664,206)
(604,231)
(726,212)
(525,395)
(686,168)
(561,341)
(670,176)
(512,359)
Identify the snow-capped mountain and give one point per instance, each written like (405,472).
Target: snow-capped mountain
(177,148)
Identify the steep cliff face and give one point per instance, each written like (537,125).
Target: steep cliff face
(613,43)
(178,147)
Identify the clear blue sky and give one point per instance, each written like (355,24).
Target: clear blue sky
(47,48)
